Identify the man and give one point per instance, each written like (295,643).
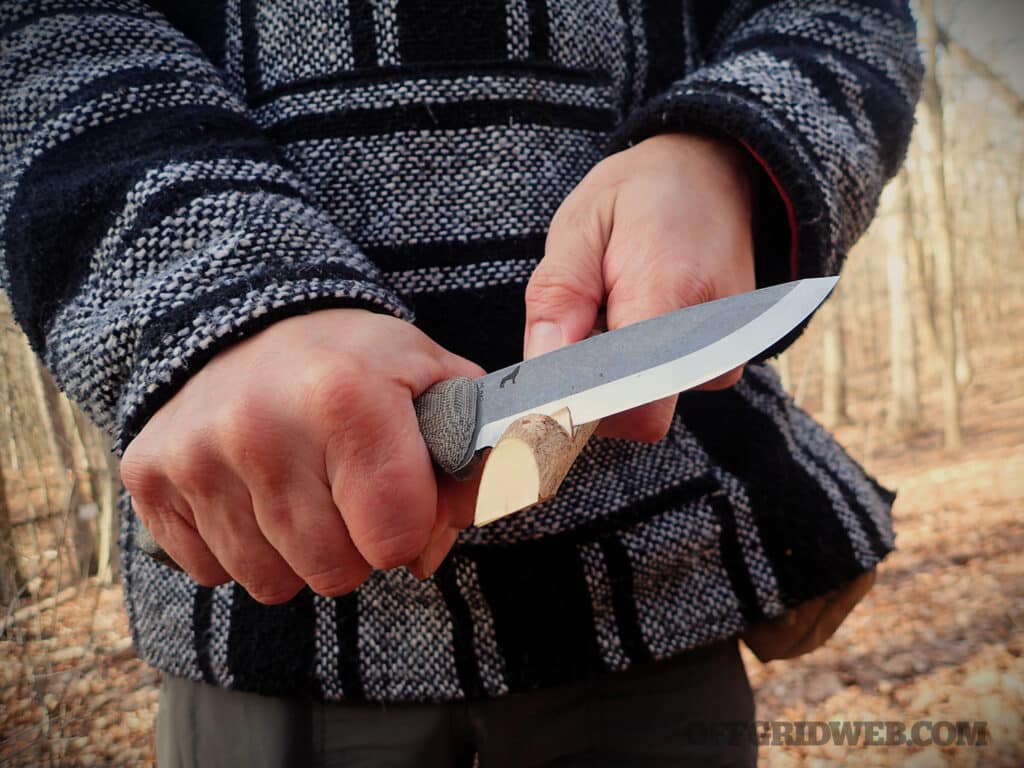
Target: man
(220,220)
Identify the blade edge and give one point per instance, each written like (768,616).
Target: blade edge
(716,359)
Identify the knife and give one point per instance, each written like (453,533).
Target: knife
(613,371)
(604,374)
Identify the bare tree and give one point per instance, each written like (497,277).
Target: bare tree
(933,179)
(52,415)
(1018,205)
(922,290)
(11,579)
(977,65)
(95,457)
(1000,88)
(904,413)
(833,394)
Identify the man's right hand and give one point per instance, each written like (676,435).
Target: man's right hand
(295,458)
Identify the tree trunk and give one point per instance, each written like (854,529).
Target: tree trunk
(833,394)
(1018,205)
(919,274)
(11,580)
(905,403)
(52,413)
(95,460)
(964,369)
(930,132)
(996,82)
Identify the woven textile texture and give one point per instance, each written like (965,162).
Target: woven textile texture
(177,175)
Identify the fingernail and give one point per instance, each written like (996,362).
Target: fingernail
(544,337)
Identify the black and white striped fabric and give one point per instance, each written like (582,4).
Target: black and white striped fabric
(177,175)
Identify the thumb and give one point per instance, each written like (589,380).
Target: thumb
(566,289)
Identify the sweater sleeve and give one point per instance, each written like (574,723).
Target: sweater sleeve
(145,221)
(822,96)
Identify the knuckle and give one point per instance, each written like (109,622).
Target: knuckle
(333,389)
(366,442)
(694,286)
(696,291)
(584,214)
(554,285)
(269,478)
(244,417)
(141,476)
(251,441)
(279,516)
(578,203)
(192,471)
(263,465)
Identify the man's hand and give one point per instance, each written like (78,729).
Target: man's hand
(663,225)
(295,458)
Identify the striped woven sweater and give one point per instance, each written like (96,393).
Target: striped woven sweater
(177,175)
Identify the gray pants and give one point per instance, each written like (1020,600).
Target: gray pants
(694,710)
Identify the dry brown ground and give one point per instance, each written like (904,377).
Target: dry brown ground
(940,637)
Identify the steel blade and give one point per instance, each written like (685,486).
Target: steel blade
(644,362)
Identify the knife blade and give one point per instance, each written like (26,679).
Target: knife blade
(616,370)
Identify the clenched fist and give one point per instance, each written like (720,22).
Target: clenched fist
(657,227)
(294,458)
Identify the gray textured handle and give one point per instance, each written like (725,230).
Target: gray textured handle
(447,417)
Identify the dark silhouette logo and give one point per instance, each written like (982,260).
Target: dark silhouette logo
(510,378)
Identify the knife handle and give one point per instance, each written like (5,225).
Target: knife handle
(446,413)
